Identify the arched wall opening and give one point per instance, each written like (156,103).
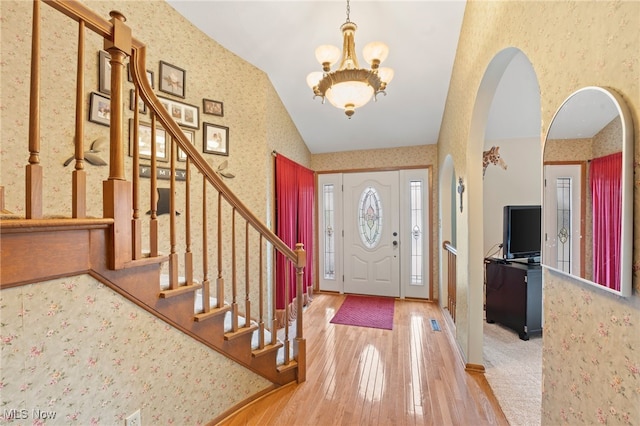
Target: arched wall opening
(479,129)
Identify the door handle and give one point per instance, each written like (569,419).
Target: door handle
(395,243)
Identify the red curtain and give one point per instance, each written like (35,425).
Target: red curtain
(295,192)
(606,194)
(306,197)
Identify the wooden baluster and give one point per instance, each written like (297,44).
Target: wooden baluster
(136,223)
(220,280)
(117,192)
(247,301)
(118,49)
(2,209)
(173,255)
(274,321)
(79,175)
(205,250)
(234,287)
(33,208)
(300,343)
(153,231)
(188,256)
(287,343)
(261,298)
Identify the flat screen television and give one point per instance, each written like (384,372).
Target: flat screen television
(522,236)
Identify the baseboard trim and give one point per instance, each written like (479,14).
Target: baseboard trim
(476,368)
(246,403)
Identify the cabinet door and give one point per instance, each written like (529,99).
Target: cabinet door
(507,295)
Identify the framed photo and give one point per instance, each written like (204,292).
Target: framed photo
(144,141)
(191,137)
(142,108)
(184,114)
(149,77)
(212,107)
(215,139)
(99,109)
(104,72)
(172,79)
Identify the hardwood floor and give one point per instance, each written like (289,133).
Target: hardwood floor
(410,375)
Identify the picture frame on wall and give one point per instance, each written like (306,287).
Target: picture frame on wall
(142,107)
(144,141)
(99,109)
(172,79)
(215,139)
(104,72)
(191,137)
(212,107)
(184,114)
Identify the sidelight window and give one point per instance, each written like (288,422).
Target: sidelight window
(417,232)
(329,232)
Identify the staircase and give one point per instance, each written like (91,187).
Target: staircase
(162,262)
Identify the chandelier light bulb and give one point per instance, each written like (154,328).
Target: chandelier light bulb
(375,53)
(327,55)
(314,78)
(385,74)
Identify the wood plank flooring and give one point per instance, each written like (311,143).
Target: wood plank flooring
(410,375)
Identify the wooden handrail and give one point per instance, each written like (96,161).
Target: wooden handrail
(448,247)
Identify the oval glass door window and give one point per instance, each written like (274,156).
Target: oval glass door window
(370,217)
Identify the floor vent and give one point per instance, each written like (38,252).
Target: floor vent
(434,325)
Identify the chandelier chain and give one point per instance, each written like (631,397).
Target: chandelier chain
(348,11)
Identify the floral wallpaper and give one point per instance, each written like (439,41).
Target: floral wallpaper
(591,338)
(258,123)
(77,352)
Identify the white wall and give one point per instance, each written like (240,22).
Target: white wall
(520,183)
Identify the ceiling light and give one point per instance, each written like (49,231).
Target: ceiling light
(350,87)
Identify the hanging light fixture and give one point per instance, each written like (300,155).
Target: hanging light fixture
(350,87)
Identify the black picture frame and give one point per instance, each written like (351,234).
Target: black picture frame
(99,109)
(215,139)
(212,107)
(172,79)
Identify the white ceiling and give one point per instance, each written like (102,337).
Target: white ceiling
(279,37)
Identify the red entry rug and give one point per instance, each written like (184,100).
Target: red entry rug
(366,311)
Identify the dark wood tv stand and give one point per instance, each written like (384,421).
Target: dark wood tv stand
(514,295)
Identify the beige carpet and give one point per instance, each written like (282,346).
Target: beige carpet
(514,371)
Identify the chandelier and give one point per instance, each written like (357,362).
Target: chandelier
(350,87)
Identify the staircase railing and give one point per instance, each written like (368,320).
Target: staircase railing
(243,253)
(451,278)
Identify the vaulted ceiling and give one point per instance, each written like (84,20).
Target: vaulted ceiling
(280,37)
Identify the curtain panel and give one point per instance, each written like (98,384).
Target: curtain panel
(605,180)
(295,196)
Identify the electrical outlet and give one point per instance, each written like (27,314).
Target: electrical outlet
(133,419)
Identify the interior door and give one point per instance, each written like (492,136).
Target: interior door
(371,233)
(564,243)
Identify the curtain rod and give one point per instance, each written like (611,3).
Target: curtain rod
(274,153)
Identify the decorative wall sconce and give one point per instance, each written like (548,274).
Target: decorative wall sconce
(460,191)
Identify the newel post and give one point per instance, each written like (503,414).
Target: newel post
(117,192)
(301,344)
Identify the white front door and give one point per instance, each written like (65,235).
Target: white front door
(374,233)
(371,227)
